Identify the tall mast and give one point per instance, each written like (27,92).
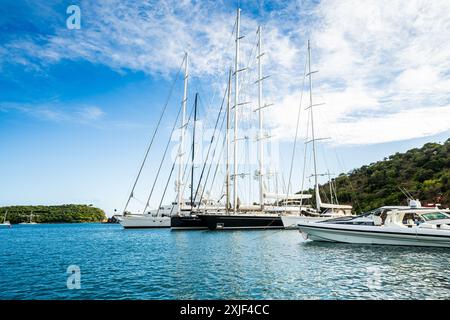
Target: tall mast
(182,128)
(227,164)
(316,183)
(193,153)
(260,134)
(236,102)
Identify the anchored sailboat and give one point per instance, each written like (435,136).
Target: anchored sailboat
(243,216)
(187,219)
(322,210)
(30,222)
(5,224)
(160,218)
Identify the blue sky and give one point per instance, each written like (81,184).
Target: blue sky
(77,107)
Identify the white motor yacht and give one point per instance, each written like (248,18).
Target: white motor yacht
(406,226)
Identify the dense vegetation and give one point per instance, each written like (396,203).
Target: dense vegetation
(51,214)
(424,172)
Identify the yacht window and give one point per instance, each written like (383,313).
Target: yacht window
(375,212)
(434,216)
(411,218)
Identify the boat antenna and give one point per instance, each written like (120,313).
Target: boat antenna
(405,193)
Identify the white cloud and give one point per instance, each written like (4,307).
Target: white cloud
(380,61)
(384,65)
(56,112)
(419,122)
(90,113)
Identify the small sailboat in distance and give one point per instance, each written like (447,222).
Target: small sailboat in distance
(30,222)
(5,224)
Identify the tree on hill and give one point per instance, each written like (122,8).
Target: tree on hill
(424,172)
(51,214)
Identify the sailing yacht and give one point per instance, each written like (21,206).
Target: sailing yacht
(185,218)
(239,216)
(323,211)
(161,217)
(5,224)
(30,222)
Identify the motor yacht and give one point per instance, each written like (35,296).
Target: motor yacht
(405,226)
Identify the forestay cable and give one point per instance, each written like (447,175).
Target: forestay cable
(153,136)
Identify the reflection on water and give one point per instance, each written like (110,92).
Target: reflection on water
(160,264)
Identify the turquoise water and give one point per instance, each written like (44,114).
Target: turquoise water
(163,264)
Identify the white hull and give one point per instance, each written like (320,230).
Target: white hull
(400,236)
(5,225)
(292,221)
(144,221)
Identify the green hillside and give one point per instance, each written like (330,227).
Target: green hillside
(52,214)
(424,172)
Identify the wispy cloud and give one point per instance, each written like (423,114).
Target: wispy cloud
(384,65)
(57,113)
(90,113)
(383,71)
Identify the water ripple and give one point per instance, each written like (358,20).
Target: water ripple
(160,264)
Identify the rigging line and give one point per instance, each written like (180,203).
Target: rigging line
(296,130)
(211,142)
(246,82)
(164,155)
(187,162)
(219,64)
(154,134)
(162,160)
(283,182)
(212,159)
(193,150)
(207,108)
(222,192)
(304,160)
(335,190)
(170,176)
(184,184)
(184,173)
(217,167)
(165,188)
(274,232)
